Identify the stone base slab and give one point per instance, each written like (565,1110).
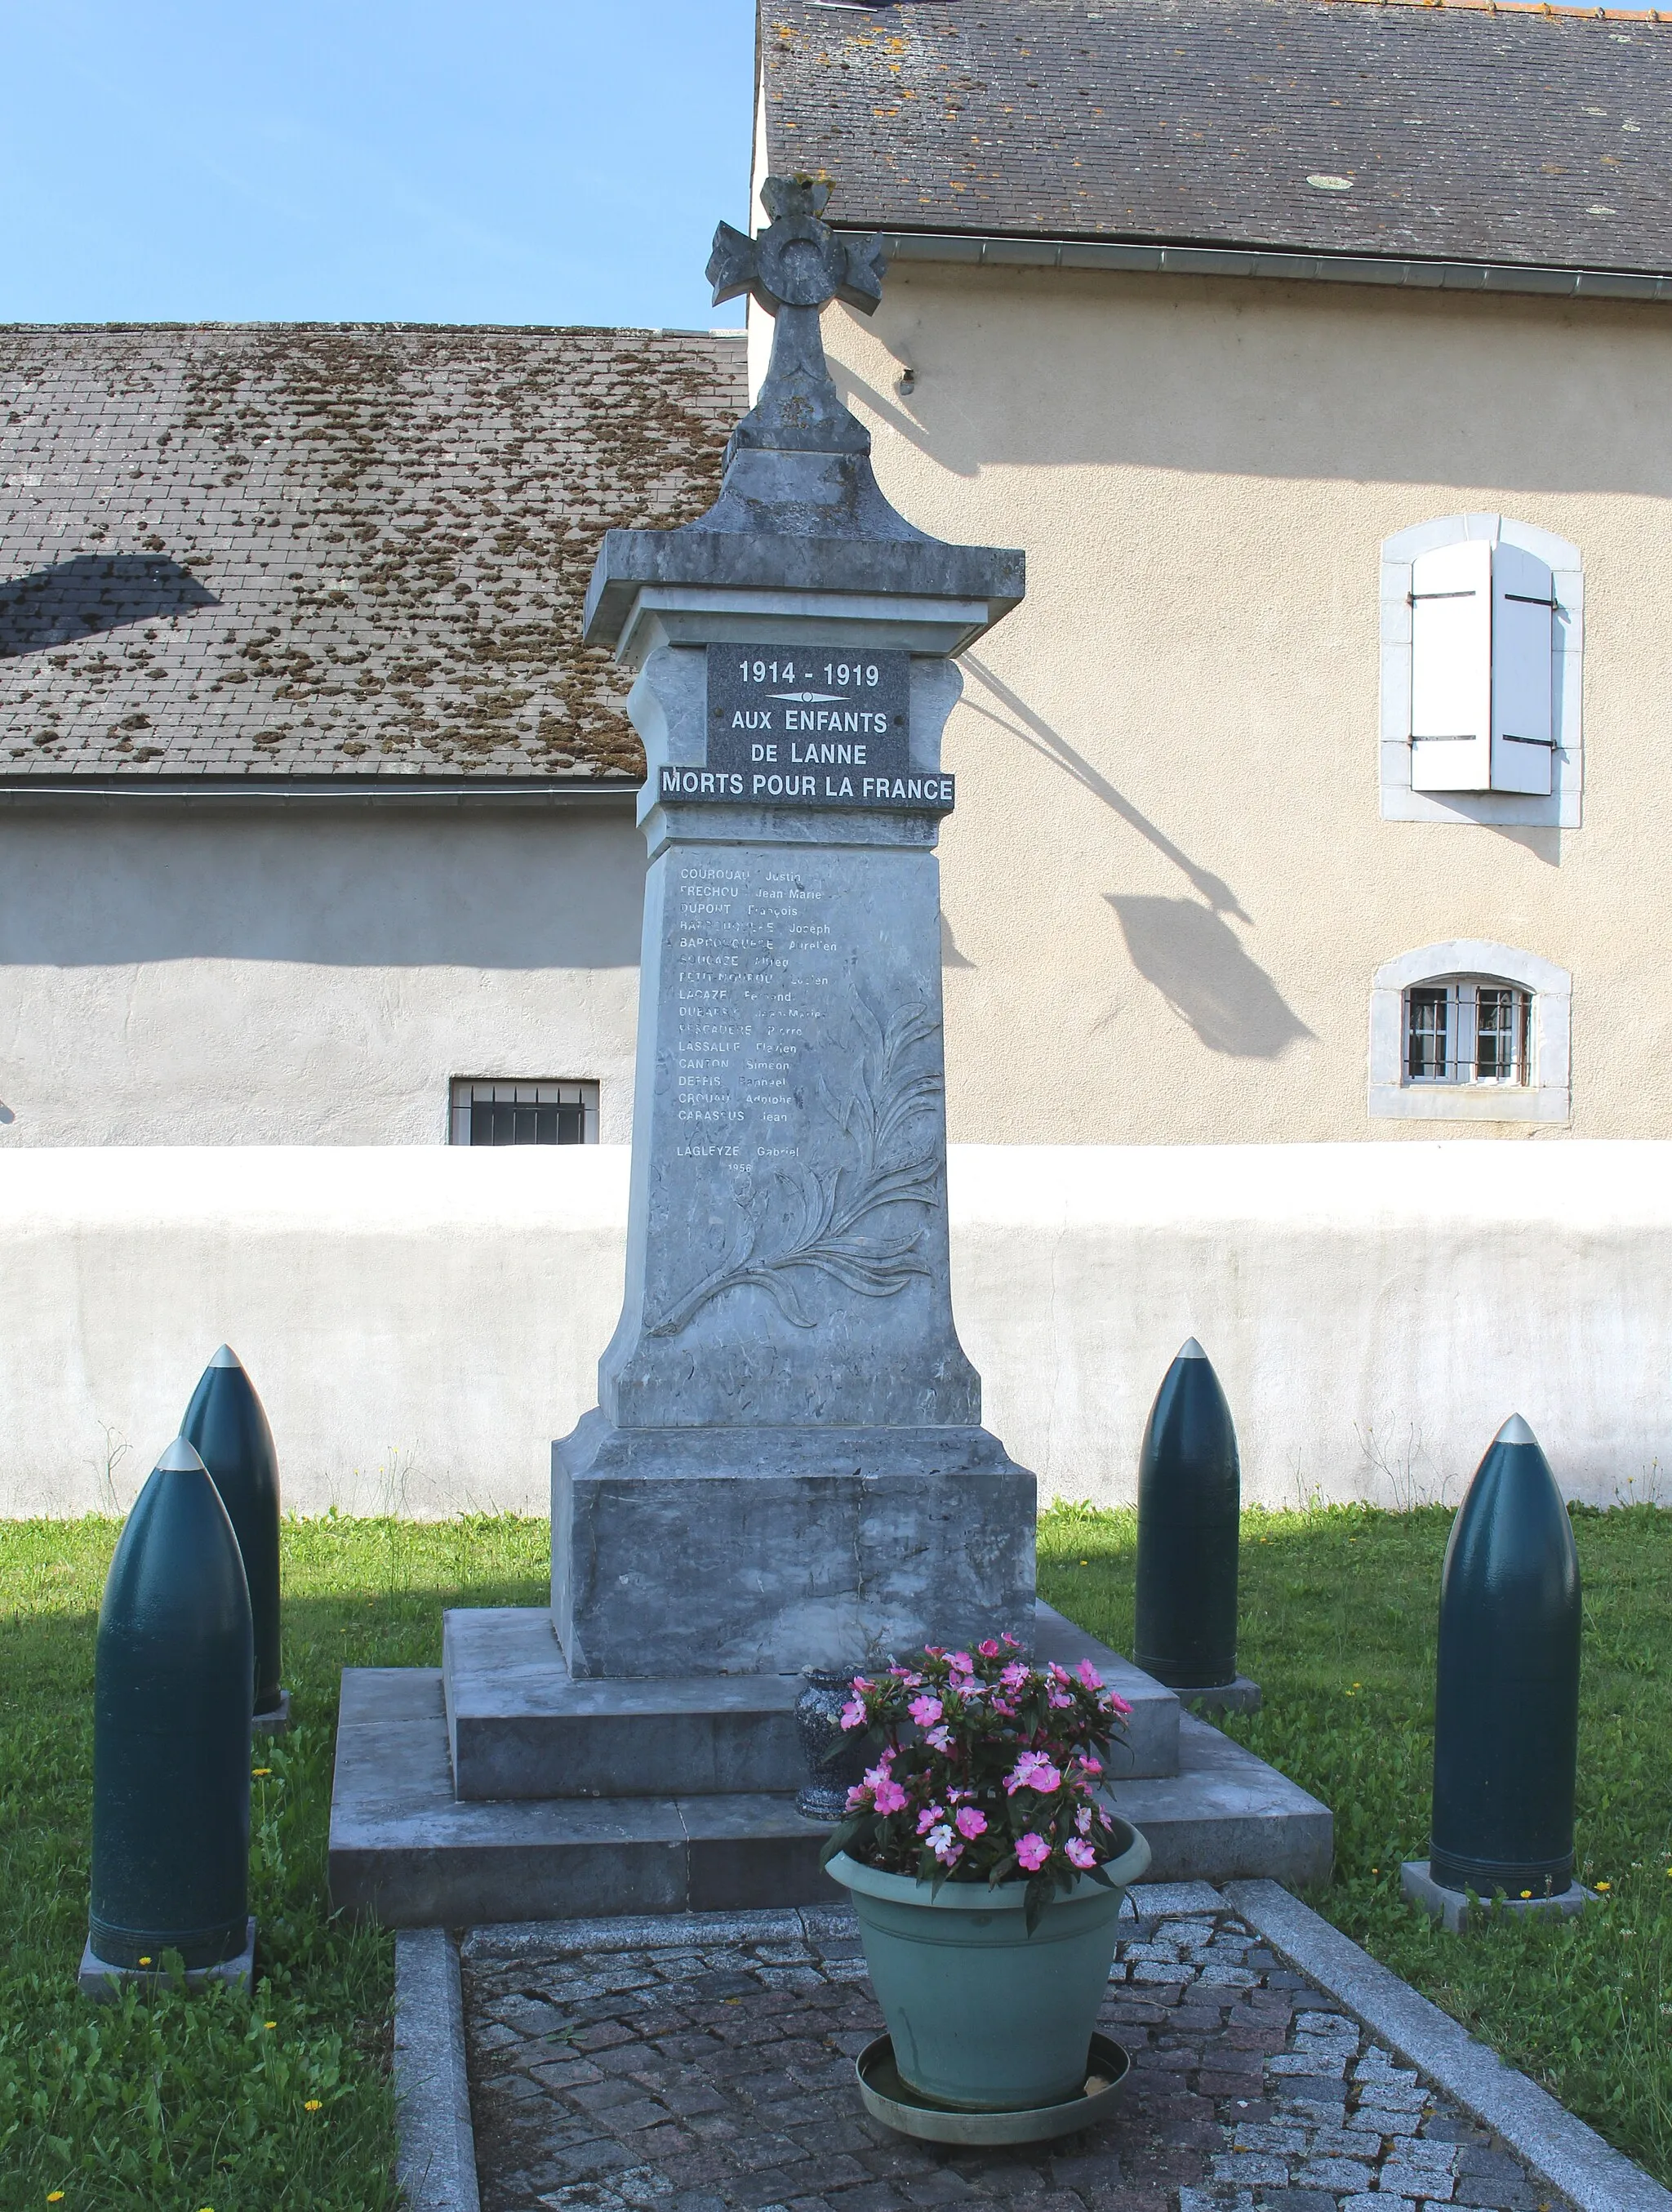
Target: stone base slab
(520,1725)
(403,1849)
(1454,1909)
(760,1550)
(104,1983)
(1241,1696)
(275,1722)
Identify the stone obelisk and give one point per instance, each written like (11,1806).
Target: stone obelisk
(787,1465)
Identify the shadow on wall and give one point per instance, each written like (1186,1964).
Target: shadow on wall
(1018,719)
(1195,960)
(92,592)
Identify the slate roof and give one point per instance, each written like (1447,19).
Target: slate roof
(1472,134)
(313,550)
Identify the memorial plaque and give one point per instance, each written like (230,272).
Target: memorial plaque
(808,727)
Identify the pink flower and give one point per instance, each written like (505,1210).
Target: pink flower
(1008,1639)
(1002,1705)
(960,1663)
(1083,1819)
(1117,1704)
(1059,1701)
(888,1797)
(906,1678)
(924,1710)
(1032,1771)
(1081,1853)
(927,1817)
(1033,1851)
(989,1649)
(939,1738)
(941,1843)
(1058,1673)
(852,1715)
(1089,1764)
(970,1823)
(1088,1675)
(1014,1675)
(859,1797)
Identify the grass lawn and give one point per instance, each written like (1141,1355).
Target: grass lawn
(190,2103)
(204,2103)
(1338,1622)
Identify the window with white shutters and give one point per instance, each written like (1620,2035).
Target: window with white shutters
(1522,603)
(1481,669)
(1482,637)
(1451,668)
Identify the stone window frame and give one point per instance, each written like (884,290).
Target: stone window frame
(1507,808)
(1547,1096)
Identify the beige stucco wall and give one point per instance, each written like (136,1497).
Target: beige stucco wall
(1167,883)
(309,974)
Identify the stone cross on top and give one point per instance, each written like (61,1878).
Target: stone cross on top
(793,268)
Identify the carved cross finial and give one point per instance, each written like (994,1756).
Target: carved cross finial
(798,260)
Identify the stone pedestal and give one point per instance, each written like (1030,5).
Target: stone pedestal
(747,1550)
(786,1466)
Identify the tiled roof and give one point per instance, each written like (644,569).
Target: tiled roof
(1471,134)
(283,550)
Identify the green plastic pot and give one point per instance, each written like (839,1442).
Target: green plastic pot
(984,2017)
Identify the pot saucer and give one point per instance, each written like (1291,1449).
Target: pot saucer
(886,2096)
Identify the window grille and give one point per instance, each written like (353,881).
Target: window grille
(497,1112)
(1470,1030)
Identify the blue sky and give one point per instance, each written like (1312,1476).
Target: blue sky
(494,161)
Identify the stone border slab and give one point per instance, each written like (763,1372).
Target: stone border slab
(435,2154)
(1561,2150)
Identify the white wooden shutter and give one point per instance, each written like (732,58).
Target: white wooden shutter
(1451,668)
(1522,750)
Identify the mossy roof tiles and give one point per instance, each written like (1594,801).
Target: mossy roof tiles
(343,551)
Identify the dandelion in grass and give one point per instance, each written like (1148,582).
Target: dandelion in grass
(311,2105)
(259,1773)
(55,2196)
(1605,1885)
(270,2023)
(144,1962)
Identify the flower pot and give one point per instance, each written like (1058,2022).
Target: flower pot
(983,2016)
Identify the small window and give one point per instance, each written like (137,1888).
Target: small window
(494,1111)
(1468,1030)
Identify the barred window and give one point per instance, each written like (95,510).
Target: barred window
(498,1112)
(1468,1030)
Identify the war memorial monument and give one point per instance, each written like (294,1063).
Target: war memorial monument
(786,1467)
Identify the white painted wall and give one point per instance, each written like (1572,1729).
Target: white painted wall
(421,1322)
(306,974)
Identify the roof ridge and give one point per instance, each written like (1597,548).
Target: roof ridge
(1655,16)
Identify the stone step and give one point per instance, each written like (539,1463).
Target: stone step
(404,1848)
(520,1727)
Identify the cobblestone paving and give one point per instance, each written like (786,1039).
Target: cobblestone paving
(718,2072)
